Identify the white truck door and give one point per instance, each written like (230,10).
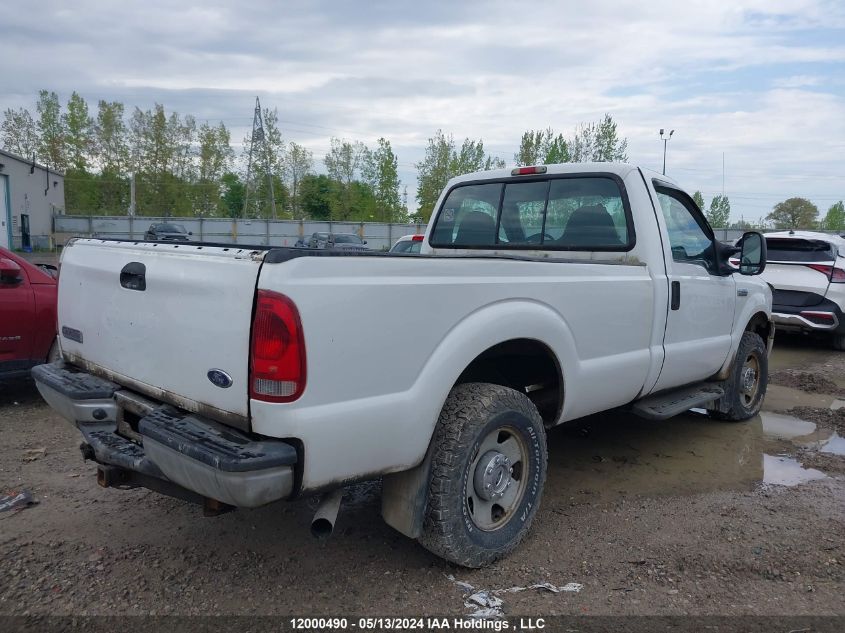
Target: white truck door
(701,302)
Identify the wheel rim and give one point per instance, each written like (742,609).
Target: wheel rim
(749,380)
(497,478)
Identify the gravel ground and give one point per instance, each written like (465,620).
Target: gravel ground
(670,518)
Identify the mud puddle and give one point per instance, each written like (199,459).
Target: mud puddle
(782,470)
(794,351)
(612,455)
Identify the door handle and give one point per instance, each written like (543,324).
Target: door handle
(133,276)
(676,295)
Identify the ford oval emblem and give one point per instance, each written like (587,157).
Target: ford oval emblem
(219,378)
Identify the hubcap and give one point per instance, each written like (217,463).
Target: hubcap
(749,379)
(492,475)
(497,478)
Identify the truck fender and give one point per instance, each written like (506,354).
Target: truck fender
(404,493)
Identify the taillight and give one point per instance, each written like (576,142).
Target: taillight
(527,171)
(820,318)
(277,354)
(417,238)
(836,275)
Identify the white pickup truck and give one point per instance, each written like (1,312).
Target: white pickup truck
(238,376)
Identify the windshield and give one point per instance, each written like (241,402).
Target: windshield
(347,238)
(407,246)
(171,228)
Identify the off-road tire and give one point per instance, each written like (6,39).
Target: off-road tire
(733,406)
(471,413)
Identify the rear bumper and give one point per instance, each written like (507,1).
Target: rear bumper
(825,316)
(155,443)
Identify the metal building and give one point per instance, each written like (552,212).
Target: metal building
(29,196)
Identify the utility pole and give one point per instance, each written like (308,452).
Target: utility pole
(665,141)
(723,174)
(259,138)
(132,195)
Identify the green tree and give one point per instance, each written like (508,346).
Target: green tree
(82,192)
(794,213)
(215,159)
(316,196)
(298,163)
(834,220)
(232,191)
(434,171)
(79,133)
(51,134)
(161,157)
(598,142)
(344,162)
(381,174)
(719,213)
(268,153)
(20,133)
(442,161)
(698,199)
(542,147)
(111,138)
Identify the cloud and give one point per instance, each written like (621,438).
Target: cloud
(759,80)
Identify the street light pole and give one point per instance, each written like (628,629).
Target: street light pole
(665,141)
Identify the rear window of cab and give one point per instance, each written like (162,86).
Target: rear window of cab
(571,213)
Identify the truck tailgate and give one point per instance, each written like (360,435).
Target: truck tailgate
(159,317)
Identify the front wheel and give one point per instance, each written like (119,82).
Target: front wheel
(839,342)
(745,388)
(487,475)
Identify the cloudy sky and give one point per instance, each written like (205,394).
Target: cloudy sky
(761,82)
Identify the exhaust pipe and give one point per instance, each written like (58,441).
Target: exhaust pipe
(322,525)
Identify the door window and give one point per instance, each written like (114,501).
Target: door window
(690,241)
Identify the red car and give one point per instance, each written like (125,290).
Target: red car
(27,316)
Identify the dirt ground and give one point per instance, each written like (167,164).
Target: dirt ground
(688,516)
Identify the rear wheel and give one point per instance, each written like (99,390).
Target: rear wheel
(745,388)
(487,476)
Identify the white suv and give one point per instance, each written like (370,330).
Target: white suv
(807,273)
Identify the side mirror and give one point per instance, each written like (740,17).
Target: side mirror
(752,257)
(190,232)
(365,241)
(10,272)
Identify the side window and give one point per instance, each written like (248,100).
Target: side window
(468,216)
(688,239)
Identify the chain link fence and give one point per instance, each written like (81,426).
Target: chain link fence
(379,236)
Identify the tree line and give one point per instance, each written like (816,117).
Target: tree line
(184,168)
(792,213)
(180,167)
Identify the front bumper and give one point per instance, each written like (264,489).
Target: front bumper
(153,444)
